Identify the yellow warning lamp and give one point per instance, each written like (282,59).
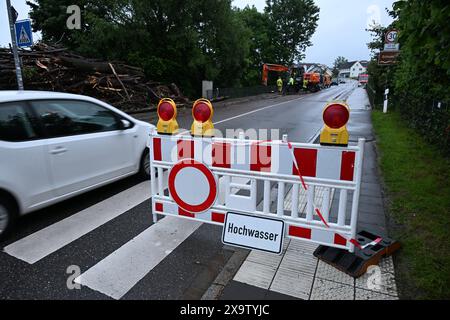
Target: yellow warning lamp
(335,116)
(202,112)
(167,113)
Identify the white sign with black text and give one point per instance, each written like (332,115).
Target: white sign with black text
(253,232)
(391,47)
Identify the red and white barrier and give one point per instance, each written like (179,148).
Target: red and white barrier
(269,156)
(204,172)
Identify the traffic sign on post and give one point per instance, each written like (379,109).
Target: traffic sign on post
(386,58)
(24,35)
(12,17)
(391,36)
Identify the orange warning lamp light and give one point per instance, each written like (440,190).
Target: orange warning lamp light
(167,113)
(335,116)
(202,112)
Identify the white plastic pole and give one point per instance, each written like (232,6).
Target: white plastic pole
(266,205)
(310,203)
(355,200)
(326,204)
(280,200)
(386,99)
(294,208)
(342,207)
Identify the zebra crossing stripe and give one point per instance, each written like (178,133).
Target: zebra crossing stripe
(40,244)
(124,268)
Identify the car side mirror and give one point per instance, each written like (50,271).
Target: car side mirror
(125,124)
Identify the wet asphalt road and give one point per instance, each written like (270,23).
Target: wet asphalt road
(189,269)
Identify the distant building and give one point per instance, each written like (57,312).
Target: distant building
(317,67)
(353,69)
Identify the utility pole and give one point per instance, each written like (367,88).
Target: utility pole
(14,44)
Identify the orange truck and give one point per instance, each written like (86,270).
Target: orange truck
(326,81)
(272,67)
(313,81)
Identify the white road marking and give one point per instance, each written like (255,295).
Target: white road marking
(257,110)
(46,241)
(184,132)
(121,270)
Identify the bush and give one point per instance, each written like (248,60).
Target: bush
(420,82)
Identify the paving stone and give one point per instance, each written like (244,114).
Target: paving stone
(255,274)
(378,213)
(370,208)
(272,295)
(371,200)
(299,261)
(370,178)
(293,283)
(372,228)
(302,246)
(361,294)
(379,278)
(328,272)
(264,258)
(371,219)
(330,290)
(371,189)
(374,187)
(387,265)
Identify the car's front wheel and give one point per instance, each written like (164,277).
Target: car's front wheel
(144,170)
(6,216)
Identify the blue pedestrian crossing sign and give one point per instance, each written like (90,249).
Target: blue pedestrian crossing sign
(24,36)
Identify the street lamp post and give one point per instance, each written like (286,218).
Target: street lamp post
(14,45)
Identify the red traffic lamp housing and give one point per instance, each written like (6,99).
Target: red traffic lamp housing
(335,116)
(167,113)
(202,112)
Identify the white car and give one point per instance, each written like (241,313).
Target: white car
(54,146)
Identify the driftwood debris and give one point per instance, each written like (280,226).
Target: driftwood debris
(46,67)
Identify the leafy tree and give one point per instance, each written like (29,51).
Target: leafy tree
(338,63)
(292,24)
(420,82)
(422,78)
(261,48)
(183,41)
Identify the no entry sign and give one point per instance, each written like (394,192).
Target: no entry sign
(192,186)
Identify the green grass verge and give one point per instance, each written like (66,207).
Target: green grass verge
(417,181)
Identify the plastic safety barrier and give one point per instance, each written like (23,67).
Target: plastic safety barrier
(204,178)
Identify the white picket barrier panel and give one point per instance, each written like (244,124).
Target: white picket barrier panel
(230,171)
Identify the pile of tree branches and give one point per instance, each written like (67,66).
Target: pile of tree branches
(53,68)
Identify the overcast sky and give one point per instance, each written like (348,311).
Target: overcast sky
(341,29)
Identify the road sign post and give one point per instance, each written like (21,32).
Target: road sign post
(9,8)
(389,55)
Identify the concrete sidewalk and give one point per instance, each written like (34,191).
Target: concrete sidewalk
(297,274)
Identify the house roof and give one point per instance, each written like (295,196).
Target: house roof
(349,64)
(364,63)
(314,66)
